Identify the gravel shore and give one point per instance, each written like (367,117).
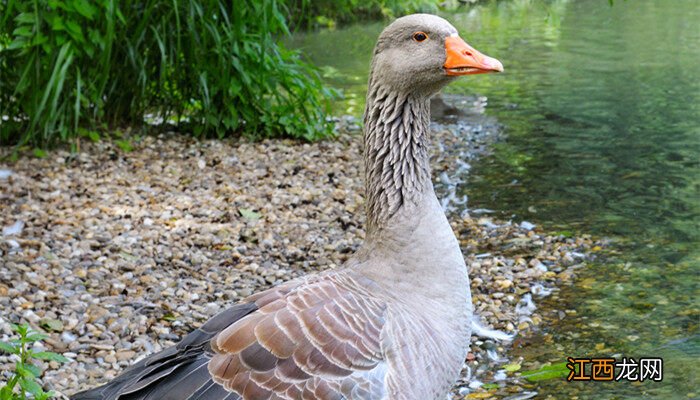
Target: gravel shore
(118,254)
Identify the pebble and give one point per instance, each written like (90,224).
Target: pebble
(125,355)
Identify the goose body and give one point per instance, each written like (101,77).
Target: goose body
(394,321)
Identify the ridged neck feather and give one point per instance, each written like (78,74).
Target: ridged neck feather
(396,152)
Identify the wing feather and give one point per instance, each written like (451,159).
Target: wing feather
(174,366)
(319,340)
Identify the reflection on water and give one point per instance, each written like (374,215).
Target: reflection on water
(601,107)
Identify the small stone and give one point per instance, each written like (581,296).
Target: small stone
(99,346)
(504,284)
(51,324)
(124,355)
(68,337)
(527,225)
(31,316)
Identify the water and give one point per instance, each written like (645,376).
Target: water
(601,107)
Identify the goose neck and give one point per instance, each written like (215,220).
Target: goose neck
(396,140)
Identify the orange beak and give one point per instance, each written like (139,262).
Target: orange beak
(462,59)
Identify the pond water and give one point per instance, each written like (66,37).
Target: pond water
(601,110)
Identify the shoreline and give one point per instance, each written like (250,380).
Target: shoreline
(130,251)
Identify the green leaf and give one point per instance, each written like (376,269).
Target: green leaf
(8,348)
(249,214)
(46,396)
(39,39)
(31,386)
(25,372)
(125,145)
(512,367)
(50,356)
(18,43)
(489,386)
(75,31)
(60,39)
(169,317)
(25,18)
(23,31)
(546,372)
(6,391)
(39,153)
(33,369)
(94,136)
(36,337)
(85,8)
(56,22)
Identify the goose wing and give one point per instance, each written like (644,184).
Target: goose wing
(317,338)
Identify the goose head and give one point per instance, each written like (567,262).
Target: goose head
(421,53)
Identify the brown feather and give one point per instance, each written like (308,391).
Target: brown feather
(289,370)
(257,358)
(239,335)
(271,337)
(252,391)
(224,367)
(289,324)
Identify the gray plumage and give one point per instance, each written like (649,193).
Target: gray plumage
(394,321)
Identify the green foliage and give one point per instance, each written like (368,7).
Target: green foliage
(330,12)
(24,380)
(512,367)
(249,214)
(547,372)
(69,68)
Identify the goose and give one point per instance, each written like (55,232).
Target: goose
(391,323)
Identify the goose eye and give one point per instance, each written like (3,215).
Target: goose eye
(419,36)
